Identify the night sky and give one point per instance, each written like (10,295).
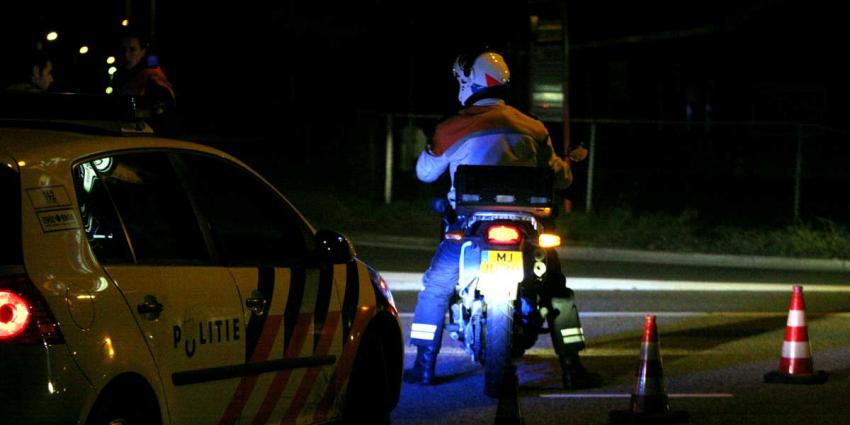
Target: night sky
(396,56)
(312,81)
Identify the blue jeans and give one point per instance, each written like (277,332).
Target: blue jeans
(439,283)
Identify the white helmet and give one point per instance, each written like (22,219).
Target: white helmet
(476,73)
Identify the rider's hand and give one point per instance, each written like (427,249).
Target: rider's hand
(578,154)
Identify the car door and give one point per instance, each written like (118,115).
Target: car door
(143,229)
(293,323)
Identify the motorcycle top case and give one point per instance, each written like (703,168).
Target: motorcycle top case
(495,187)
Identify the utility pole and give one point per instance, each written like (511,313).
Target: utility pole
(565,92)
(565,83)
(152,38)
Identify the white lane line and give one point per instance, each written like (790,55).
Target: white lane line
(633,256)
(407,281)
(455,350)
(743,314)
(616,395)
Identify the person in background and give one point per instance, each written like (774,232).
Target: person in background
(35,74)
(487,131)
(140,75)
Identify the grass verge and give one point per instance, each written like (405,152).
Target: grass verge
(619,228)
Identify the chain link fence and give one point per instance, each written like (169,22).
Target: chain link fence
(744,171)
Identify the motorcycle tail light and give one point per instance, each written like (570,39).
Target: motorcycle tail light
(503,235)
(25,317)
(548,240)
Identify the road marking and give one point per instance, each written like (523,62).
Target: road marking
(740,314)
(455,350)
(407,281)
(633,256)
(617,395)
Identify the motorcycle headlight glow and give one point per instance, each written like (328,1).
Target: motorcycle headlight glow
(549,240)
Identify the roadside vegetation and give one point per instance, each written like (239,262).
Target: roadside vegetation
(618,228)
(687,232)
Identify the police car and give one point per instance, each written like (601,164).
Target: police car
(145,280)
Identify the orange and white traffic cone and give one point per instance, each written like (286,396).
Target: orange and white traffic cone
(795,366)
(649,403)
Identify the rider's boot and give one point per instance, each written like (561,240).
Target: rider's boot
(573,374)
(422,372)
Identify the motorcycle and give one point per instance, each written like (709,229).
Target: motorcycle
(509,270)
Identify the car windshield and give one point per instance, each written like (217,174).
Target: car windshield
(10,217)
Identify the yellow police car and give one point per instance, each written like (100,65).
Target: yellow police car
(146,280)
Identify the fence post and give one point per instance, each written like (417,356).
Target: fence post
(798,172)
(590,166)
(388,162)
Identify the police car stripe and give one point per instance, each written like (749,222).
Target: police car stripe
(293,304)
(367,296)
(349,300)
(331,339)
(265,286)
(281,379)
(278,297)
(282,294)
(303,392)
(297,343)
(360,318)
(247,384)
(196,376)
(323,301)
(343,367)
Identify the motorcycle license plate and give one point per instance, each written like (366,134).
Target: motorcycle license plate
(501,272)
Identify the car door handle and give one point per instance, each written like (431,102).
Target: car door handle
(256,305)
(150,308)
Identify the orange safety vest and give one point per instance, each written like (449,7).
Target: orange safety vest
(137,84)
(474,120)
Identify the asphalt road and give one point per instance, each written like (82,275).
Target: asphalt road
(720,330)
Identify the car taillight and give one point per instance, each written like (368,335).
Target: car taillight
(503,235)
(25,317)
(14,314)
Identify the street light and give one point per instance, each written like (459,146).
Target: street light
(52,36)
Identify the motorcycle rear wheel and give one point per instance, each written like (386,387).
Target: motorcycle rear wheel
(498,327)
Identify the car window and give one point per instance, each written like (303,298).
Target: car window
(100,220)
(11,252)
(249,222)
(160,222)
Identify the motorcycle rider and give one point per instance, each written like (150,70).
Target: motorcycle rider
(487,131)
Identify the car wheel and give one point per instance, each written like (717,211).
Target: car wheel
(366,401)
(122,411)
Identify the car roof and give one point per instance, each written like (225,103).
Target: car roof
(69,126)
(34,144)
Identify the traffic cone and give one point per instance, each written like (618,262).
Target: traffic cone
(649,403)
(795,366)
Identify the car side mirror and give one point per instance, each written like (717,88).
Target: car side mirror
(333,247)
